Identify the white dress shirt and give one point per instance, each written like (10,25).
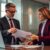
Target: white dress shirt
(44,22)
(9,22)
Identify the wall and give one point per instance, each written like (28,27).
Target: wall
(33,27)
(0,8)
(49,5)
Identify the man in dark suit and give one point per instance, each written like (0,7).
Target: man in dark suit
(9,25)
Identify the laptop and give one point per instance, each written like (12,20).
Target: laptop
(2,45)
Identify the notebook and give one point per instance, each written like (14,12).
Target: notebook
(1,41)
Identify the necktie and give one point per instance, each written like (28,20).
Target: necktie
(11,26)
(11,23)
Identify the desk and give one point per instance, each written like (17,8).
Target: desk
(24,47)
(46,48)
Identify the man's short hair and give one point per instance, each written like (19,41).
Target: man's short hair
(8,5)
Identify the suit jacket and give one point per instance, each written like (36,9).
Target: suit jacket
(4,26)
(46,33)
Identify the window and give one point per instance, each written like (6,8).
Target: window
(3,9)
(3,3)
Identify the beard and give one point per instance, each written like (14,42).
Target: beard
(12,15)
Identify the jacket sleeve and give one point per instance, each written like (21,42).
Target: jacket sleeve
(48,34)
(4,32)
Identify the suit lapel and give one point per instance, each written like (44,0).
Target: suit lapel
(6,22)
(40,27)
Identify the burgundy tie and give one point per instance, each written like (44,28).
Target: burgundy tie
(11,24)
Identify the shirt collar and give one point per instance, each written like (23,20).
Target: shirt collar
(7,18)
(44,21)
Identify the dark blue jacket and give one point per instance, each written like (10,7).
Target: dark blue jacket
(4,26)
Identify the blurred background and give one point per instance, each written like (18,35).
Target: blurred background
(27,12)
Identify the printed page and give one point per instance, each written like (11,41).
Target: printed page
(21,33)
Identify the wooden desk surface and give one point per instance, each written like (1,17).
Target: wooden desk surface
(24,47)
(46,48)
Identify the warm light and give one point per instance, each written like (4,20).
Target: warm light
(30,13)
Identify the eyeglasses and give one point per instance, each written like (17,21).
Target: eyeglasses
(12,11)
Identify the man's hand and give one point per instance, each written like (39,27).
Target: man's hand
(12,30)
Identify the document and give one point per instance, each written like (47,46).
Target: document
(16,46)
(26,46)
(21,33)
